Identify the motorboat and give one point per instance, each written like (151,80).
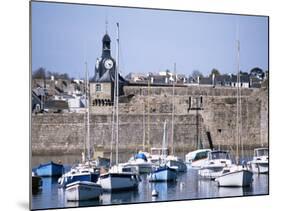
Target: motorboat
(259,164)
(82,190)
(197,158)
(235,176)
(212,167)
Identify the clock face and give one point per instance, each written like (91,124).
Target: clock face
(108,64)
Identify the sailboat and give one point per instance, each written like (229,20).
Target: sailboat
(259,164)
(140,162)
(80,181)
(85,171)
(236,175)
(115,178)
(163,172)
(172,160)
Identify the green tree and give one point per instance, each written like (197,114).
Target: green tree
(215,71)
(40,73)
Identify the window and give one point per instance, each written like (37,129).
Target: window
(98,87)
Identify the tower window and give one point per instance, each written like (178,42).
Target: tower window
(98,87)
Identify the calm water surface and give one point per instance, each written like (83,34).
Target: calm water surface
(187,186)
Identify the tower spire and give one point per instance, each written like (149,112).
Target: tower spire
(106,25)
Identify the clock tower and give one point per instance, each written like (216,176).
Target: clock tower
(102,84)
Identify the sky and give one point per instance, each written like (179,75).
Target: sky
(65,36)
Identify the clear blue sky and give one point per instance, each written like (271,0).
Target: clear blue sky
(64,36)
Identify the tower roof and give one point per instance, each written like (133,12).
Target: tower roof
(106,38)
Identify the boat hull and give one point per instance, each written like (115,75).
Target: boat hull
(36,182)
(118,181)
(49,170)
(163,174)
(178,165)
(81,191)
(239,178)
(210,172)
(259,167)
(70,178)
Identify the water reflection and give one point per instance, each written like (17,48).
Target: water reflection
(188,186)
(119,197)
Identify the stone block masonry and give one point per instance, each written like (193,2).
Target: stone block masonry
(54,134)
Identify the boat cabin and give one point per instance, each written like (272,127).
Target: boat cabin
(219,154)
(261,152)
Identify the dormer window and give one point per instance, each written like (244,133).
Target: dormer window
(98,87)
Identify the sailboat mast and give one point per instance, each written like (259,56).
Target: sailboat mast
(117,92)
(238,101)
(87,111)
(143,128)
(173,108)
(164,140)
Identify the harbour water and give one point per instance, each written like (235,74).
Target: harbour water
(188,186)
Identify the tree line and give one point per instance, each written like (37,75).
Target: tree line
(42,73)
(256,71)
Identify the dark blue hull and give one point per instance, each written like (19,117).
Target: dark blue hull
(50,169)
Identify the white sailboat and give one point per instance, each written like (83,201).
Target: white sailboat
(259,164)
(80,181)
(116,179)
(172,160)
(236,175)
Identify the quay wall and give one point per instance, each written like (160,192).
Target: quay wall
(147,108)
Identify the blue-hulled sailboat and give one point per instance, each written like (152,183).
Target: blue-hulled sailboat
(85,171)
(163,172)
(49,169)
